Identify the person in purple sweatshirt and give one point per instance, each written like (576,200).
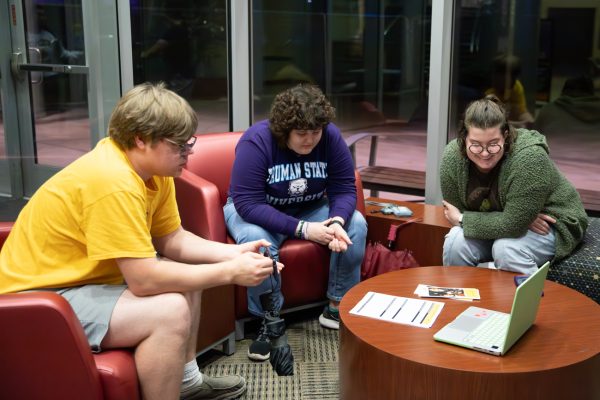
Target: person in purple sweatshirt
(293,177)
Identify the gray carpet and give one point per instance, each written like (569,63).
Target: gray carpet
(315,376)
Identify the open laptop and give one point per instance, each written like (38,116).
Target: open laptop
(495,332)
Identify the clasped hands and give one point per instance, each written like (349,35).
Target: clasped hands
(333,236)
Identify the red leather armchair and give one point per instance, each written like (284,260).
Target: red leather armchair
(44,353)
(202,193)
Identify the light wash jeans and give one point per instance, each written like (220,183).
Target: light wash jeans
(344,268)
(523,254)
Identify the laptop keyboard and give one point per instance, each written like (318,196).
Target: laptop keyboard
(491,332)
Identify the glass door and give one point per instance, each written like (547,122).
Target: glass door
(50,74)
(63,81)
(4,176)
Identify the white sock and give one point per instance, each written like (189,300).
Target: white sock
(191,375)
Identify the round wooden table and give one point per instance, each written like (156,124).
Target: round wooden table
(558,358)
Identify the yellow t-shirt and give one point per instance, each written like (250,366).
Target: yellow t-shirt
(94,210)
(514,100)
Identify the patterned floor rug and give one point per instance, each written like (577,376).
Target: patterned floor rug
(315,376)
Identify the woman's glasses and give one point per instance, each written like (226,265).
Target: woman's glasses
(490,148)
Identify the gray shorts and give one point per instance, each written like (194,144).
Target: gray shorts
(93,305)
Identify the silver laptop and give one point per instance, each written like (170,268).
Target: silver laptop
(495,332)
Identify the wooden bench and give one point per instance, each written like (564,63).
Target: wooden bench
(395,180)
(591,201)
(398,180)
(385,179)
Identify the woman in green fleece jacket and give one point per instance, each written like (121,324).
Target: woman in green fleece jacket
(505,198)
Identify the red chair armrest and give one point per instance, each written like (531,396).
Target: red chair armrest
(360,195)
(44,349)
(200,207)
(118,374)
(5,228)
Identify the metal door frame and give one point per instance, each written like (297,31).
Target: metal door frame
(101,41)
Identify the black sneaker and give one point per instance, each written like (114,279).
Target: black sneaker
(216,388)
(260,349)
(330,318)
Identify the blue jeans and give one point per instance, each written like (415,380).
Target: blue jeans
(344,268)
(523,254)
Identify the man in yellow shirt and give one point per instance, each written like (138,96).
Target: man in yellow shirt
(105,233)
(509,89)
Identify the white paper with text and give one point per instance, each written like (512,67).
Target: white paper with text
(401,310)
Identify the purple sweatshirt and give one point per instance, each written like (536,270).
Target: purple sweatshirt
(266,180)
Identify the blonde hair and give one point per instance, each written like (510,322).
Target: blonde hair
(151,112)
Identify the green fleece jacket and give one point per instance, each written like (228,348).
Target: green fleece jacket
(529,183)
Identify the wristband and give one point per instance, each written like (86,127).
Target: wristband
(298,232)
(304,235)
(335,221)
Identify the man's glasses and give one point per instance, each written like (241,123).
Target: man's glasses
(490,148)
(184,148)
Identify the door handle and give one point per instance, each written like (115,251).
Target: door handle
(66,69)
(18,66)
(15,60)
(40,76)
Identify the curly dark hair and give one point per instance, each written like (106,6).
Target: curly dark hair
(303,106)
(488,112)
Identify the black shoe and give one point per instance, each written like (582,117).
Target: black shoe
(217,388)
(330,318)
(260,349)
